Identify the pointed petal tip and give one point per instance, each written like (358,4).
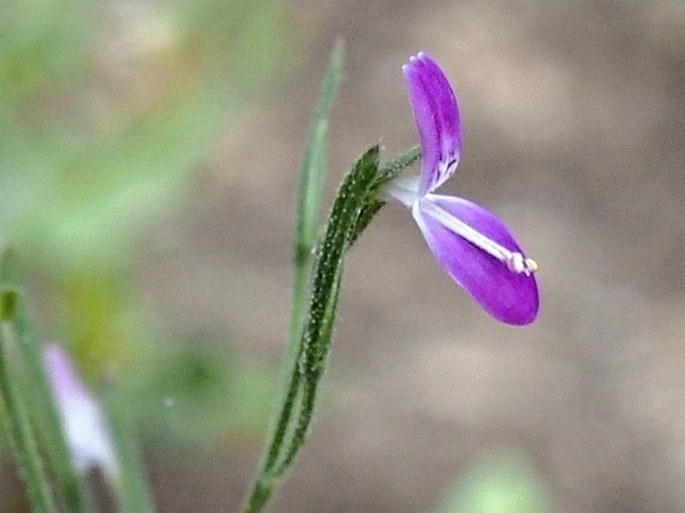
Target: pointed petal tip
(422,60)
(419,60)
(424,57)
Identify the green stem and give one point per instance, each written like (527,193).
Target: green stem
(318,332)
(356,205)
(309,392)
(316,337)
(21,435)
(300,431)
(284,418)
(57,451)
(311,184)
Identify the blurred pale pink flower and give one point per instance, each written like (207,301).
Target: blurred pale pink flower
(83,421)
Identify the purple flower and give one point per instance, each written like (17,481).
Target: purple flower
(82,418)
(471,244)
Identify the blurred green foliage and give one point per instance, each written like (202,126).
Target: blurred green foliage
(108,111)
(199,391)
(499,482)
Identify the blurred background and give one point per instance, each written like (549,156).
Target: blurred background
(148,163)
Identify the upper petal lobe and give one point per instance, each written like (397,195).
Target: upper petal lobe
(437,119)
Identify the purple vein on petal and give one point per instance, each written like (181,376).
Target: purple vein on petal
(437,119)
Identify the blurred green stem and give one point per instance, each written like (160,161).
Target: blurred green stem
(20,432)
(131,485)
(18,327)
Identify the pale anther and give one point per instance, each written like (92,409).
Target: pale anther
(517,264)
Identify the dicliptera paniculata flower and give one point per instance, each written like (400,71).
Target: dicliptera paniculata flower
(470,243)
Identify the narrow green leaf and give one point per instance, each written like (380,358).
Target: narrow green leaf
(131,487)
(368,212)
(313,170)
(310,196)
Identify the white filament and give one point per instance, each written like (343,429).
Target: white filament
(514,260)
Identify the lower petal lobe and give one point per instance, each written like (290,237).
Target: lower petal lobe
(507,296)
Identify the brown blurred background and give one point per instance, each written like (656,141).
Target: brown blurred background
(573,119)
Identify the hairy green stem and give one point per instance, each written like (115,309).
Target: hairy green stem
(310,389)
(317,334)
(318,331)
(311,185)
